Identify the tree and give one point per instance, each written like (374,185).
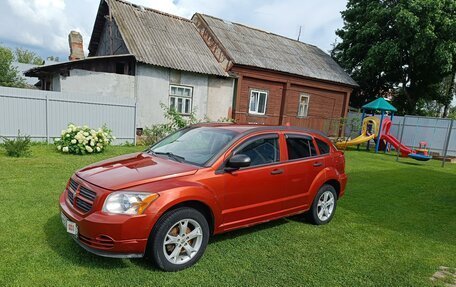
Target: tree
(9,76)
(28,57)
(398,48)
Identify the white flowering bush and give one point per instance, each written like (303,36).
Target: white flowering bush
(84,140)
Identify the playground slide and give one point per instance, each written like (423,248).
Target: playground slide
(405,151)
(356,141)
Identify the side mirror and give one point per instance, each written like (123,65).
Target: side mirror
(237,161)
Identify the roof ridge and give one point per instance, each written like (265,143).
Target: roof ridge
(152,10)
(258,29)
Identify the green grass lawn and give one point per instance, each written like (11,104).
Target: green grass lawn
(395,227)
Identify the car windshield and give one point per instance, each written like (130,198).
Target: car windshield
(194,145)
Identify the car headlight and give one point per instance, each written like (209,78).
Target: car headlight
(128,202)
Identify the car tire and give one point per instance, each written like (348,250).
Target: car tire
(186,245)
(323,206)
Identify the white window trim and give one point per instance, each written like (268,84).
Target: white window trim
(181,97)
(306,114)
(265,101)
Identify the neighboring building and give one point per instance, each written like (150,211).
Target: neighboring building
(148,55)
(279,80)
(206,65)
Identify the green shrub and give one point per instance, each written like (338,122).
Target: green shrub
(84,140)
(17,147)
(176,121)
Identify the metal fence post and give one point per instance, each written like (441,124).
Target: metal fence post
(400,140)
(134,125)
(47,119)
(447,143)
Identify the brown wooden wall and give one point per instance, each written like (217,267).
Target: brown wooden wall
(327,100)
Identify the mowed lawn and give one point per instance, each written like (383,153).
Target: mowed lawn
(395,227)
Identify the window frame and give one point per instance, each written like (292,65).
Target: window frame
(304,136)
(266,92)
(184,98)
(247,141)
(319,150)
(306,114)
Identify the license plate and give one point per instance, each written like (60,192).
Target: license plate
(70,226)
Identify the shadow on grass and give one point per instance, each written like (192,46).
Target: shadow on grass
(63,245)
(230,235)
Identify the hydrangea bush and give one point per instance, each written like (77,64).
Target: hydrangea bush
(84,140)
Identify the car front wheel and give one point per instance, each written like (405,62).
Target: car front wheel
(179,239)
(323,206)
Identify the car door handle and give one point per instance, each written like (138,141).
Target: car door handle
(277,171)
(317,164)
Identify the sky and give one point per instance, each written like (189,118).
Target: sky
(43,25)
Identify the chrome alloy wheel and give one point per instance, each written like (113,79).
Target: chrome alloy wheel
(183,241)
(325,206)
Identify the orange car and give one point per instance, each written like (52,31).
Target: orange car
(165,202)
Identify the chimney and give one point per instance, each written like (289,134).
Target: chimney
(76,46)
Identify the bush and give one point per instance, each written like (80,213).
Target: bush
(84,140)
(17,147)
(176,121)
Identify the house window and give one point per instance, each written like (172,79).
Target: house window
(303,108)
(180,99)
(258,101)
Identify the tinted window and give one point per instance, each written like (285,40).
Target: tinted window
(197,145)
(322,146)
(262,151)
(300,148)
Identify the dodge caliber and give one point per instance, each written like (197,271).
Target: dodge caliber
(203,180)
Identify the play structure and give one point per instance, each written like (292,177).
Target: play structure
(378,130)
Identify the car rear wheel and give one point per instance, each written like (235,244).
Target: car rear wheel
(323,206)
(179,239)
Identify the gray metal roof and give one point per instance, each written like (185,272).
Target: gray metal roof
(165,40)
(253,47)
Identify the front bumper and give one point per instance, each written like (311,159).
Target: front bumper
(117,236)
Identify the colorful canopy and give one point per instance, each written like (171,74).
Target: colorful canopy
(380,104)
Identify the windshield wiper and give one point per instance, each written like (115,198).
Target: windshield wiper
(176,157)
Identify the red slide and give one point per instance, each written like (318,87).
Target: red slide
(405,151)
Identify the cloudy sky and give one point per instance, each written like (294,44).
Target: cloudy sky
(43,25)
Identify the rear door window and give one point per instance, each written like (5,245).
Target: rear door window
(300,147)
(322,146)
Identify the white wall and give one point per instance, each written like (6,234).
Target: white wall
(212,97)
(220,98)
(103,84)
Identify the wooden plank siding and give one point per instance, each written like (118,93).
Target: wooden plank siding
(326,100)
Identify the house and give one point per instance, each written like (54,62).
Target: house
(206,65)
(279,80)
(141,53)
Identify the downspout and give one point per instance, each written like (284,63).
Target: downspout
(233,104)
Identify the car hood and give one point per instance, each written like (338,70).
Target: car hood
(132,170)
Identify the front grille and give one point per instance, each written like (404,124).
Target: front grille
(86,193)
(73,185)
(70,196)
(83,205)
(80,197)
(101,242)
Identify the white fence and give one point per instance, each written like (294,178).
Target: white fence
(437,132)
(44,114)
